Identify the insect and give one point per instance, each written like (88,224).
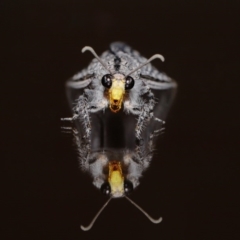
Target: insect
(120,104)
(120,77)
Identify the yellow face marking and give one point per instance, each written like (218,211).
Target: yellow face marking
(116,179)
(116,92)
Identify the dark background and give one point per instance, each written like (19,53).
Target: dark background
(192,182)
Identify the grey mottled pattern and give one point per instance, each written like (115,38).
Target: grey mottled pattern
(146,78)
(138,101)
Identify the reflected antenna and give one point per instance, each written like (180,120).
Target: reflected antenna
(156,221)
(95,218)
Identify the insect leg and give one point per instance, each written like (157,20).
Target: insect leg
(90,161)
(82,149)
(139,160)
(146,112)
(81,112)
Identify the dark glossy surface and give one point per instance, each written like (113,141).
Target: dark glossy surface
(192,182)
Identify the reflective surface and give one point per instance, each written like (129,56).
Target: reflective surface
(192,181)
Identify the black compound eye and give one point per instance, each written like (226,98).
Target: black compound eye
(107,80)
(129,83)
(128,187)
(106,189)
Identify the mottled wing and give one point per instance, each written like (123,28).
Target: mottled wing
(75,85)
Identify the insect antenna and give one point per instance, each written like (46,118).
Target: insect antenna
(95,218)
(148,61)
(146,214)
(87,48)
